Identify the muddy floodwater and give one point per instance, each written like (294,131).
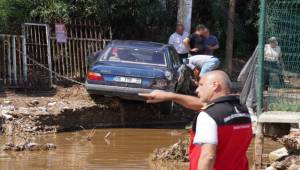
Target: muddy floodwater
(121,149)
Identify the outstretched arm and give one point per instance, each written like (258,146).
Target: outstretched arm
(190,102)
(186,43)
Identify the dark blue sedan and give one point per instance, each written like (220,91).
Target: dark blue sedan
(125,68)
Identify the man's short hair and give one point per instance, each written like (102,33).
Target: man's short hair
(200,27)
(179,25)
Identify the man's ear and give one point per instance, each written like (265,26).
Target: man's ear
(215,85)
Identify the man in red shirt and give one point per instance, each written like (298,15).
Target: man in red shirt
(222,131)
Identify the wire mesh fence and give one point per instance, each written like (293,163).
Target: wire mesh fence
(282,55)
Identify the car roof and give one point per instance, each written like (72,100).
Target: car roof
(138,44)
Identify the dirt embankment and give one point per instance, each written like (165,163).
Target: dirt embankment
(47,112)
(72,108)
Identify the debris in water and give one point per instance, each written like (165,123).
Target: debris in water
(175,133)
(106,138)
(28,146)
(49,146)
(33,103)
(7,102)
(292,160)
(51,104)
(290,163)
(32,146)
(291,143)
(177,152)
(91,134)
(107,135)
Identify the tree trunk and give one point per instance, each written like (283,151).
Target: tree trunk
(230,36)
(184,14)
(163,4)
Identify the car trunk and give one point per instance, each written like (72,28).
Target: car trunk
(128,74)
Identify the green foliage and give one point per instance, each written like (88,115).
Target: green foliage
(12,13)
(284,105)
(214,15)
(51,11)
(138,19)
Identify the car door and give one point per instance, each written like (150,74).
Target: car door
(174,64)
(175,61)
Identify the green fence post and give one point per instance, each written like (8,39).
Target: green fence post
(261,45)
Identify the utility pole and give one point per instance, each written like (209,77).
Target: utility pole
(230,34)
(184,14)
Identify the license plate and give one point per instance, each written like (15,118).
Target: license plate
(128,80)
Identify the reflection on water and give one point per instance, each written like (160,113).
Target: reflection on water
(122,149)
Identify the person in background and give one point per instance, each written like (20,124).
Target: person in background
(176,39)
(222,131)
(211,42)
(195,42)
(201,64)
(273,64)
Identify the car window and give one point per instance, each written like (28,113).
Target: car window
(134,55)
(175,58)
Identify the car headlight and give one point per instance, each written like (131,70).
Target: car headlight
(160,83)
(168,75)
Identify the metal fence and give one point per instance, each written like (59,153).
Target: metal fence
(12,60)
(282,71)
(35,58)
(84,38)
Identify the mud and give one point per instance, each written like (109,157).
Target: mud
(64,109)
(291,143)
(176,152)
(292,161)
(28,147)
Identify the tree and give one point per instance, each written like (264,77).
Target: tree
(230,36)
(151,20)
(184,15)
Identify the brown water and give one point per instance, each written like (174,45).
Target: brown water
(123,149)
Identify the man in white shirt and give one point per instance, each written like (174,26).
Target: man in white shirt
(176,39)
(274,65)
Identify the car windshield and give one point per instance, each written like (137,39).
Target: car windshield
(134,55)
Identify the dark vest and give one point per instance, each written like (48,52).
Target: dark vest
(234,134)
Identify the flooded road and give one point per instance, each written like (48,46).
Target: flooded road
(122,149)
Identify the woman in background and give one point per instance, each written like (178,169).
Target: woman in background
(273,64)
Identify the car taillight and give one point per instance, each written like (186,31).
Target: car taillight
(160,84)
(94,76)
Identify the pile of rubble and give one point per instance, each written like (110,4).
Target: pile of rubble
(176,152)
(44,113)
(287,157)
(28,147)
(72,108)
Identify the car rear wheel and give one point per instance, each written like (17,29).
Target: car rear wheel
(100,99)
